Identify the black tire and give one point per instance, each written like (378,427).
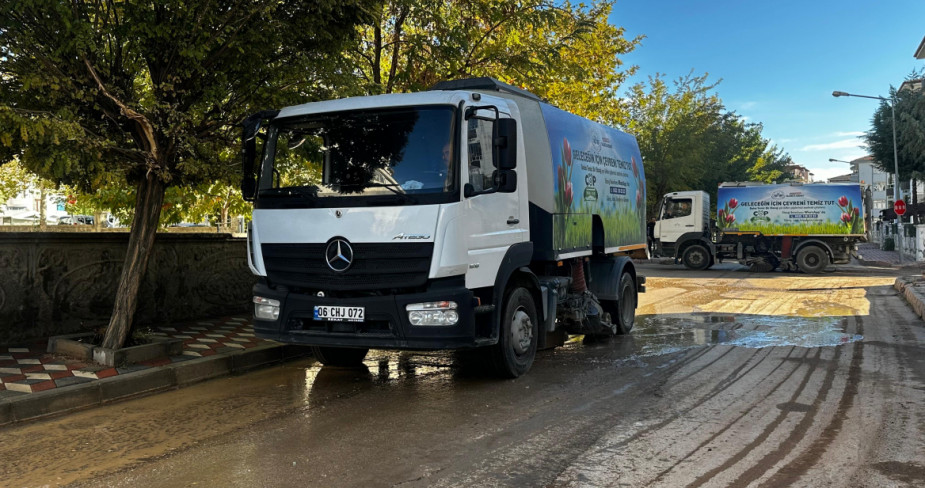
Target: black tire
(812,260)
(622,312)
(513,355)
(339,356)
(696,257)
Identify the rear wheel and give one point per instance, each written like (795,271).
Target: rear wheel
(812,259)
(623,312)
(513,355)
(696,257)
(339,356)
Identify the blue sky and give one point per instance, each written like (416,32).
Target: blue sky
(779,62)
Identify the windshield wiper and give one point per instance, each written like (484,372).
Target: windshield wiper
(292,191)
(394,188)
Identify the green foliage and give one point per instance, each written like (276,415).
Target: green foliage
(888,244)
(568,54)
(910,132)
(689,141)
(96,92)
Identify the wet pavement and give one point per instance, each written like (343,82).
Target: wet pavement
(729,379)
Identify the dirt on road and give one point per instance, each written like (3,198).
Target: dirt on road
(730,378)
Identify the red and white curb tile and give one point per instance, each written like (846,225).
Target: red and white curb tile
(30,369)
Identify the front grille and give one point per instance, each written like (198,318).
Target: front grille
(375,266)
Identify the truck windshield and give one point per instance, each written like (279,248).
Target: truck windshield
(406,151)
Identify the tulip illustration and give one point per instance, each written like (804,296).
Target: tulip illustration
(564,192)
(635,168)
(725,215)
(566,153)
(851,215)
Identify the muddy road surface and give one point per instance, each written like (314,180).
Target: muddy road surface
(730,378)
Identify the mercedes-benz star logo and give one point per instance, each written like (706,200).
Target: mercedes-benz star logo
(339,255)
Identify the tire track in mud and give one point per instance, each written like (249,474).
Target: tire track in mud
(735,420)
(796,434)
(542,452)
(768,430)
(790,473)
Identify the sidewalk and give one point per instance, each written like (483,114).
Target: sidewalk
(870,253)
(34,383)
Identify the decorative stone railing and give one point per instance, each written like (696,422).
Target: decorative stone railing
(61,283)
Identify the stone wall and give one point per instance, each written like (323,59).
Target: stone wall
(54,283)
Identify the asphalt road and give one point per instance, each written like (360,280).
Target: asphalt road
(730,378)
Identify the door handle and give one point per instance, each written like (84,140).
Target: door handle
(513,221)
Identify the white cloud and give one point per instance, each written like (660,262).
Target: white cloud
(843,144)
(849,134)
(748,105)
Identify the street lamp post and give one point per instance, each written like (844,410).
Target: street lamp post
(895,156)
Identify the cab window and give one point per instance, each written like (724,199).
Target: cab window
(677,207)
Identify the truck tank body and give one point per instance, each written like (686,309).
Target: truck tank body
(821,209)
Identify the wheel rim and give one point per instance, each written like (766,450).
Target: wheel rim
(521,331)
(812,259)
(696,257)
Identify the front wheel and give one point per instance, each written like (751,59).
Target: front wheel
(339,356)
(696,257)
(513,355)
(812,259)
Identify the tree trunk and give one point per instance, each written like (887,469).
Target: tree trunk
(148,204)
(42,214)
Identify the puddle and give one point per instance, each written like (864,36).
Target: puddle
(656,335)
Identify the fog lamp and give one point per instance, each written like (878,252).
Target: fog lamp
(266,308)
(432,313)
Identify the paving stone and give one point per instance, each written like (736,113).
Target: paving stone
(38,376)
(18,349)
(197,346)
(10,371)
(234,346)
(4,357)
(209,341)
(55,367)
(29,361)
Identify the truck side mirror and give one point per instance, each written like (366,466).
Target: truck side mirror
(248,154)
(250,126)
(504,144)
(505,181)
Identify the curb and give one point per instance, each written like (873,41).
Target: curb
(145,382)
(912,288)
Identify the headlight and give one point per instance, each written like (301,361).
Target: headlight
(432,313)
(266,308)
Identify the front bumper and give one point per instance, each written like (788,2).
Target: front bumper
(386,324)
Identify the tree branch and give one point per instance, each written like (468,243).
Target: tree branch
(144,124)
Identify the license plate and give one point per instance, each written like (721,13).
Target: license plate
(340,314)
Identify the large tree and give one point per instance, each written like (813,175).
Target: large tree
(689,141)
(149,93)
(910,132)
(569,54)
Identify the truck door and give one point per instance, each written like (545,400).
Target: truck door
(677,218)
(494,221)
